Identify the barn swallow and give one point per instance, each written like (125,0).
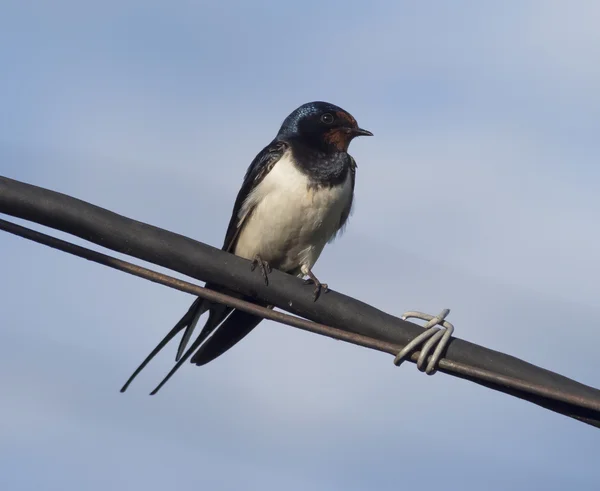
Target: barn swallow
(296,197)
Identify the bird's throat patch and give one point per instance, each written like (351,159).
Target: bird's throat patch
(338,138)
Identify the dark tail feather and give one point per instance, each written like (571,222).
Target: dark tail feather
(234,329)
(189,330)
(218,312)
(186,320)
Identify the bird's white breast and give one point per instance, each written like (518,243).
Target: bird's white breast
(289,222)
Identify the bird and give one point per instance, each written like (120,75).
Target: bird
(296,196)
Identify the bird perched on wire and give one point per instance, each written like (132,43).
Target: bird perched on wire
(296,196)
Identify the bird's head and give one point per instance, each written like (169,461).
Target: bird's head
(322,126)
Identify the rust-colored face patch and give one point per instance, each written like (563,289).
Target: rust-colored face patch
(339,138)
(343,115)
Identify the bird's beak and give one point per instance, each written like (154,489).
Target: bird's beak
(361,132)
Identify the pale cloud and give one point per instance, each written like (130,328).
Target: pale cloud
(564,39)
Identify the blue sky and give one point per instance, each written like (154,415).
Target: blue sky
(477,193)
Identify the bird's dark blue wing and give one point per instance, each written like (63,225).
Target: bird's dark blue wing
(258,169)
(232,331)
(256,172)
(234,327)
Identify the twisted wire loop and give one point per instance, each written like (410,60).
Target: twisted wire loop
(432,336)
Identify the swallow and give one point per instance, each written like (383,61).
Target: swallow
(296,196)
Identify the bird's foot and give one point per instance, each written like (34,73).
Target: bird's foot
(319,287)
(265,268)
(433,335)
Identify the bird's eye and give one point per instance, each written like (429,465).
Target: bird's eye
(327,118)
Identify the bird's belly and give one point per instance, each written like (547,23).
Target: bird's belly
(291,224)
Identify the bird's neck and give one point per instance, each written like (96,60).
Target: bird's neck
(325,168)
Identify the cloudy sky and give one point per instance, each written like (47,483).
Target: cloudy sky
(479,192)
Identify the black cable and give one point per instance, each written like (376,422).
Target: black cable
(368,326)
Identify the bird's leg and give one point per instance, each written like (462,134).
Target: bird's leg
(265,268)
(433,336)
(312,279)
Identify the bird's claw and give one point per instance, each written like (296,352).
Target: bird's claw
(433,335)
(319,287)
(265,268)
